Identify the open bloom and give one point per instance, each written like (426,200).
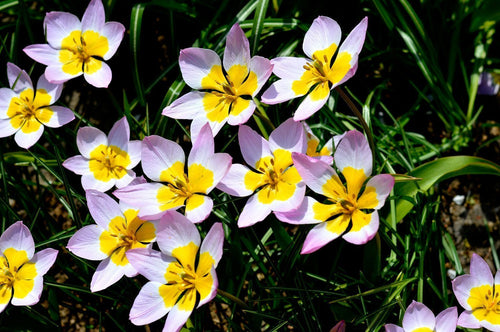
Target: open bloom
(105,161)
(21,269)
(350,210)
(479,294)
(75,48)
(117,230)
(226,90)
(315,77)
(420,318)
(278,184)
(25,110)
(164,161)
(181,276)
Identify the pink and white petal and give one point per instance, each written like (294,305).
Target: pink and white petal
(198,123)
(237,51)
(263,68)
(417,315)
(85,243)
(44,54)
(350,73)
(176,319)
(18,236)
(119,135)
(355,40)
(302,215)
(253,146)
(315,173)
(106,274)
(6,128)
(480,270)
(337,139)
(203,147)
(27,140)
(134,151)
(288,136)
(6,96)
(149,305)
(308,107)
(188,106)
(90,182)
(253,212)
(89,138)
(393,328)
(18,78)
(60,117)
(446,320)
(366,232)
(213,290)
(219,164)
(148,204)
(353,151)
(195,64)
(176,230)
(462,286)
(93,18)
(323,32)
(490,326)
(319,236)
(125,180)
(77,164)
(100,78)
(113,31)
(243,116)
(43,260)
(197,213)
(53,90)
(102,208)
(56,74)
(32,297)
(233,182)
(289,68)
(280,91)
(152,264)
(468,320)
(159,154)
(213,243)
(383,184)
(59,25)
(293,202)
(129,271)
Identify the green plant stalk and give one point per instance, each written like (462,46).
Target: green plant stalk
(233,298)
(358,114)
(492,245)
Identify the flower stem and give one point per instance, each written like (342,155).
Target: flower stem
(358,114)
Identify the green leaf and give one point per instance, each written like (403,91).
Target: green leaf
(260,14)
(436,171)
(135,37)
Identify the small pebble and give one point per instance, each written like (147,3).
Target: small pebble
(459,199)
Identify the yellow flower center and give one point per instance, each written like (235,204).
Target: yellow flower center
(108,162)
(485,303)
(124,234)
(83,52)
(29,110)
(16,273)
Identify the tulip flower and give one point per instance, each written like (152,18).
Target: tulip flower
(226,90)
(478,293)
(349,211)
(420,318)
(117,230)
(21,269)
(163,161)
(181,275)
(315,77)
(105,161)
(25,110)
(280,185)
(75,48)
